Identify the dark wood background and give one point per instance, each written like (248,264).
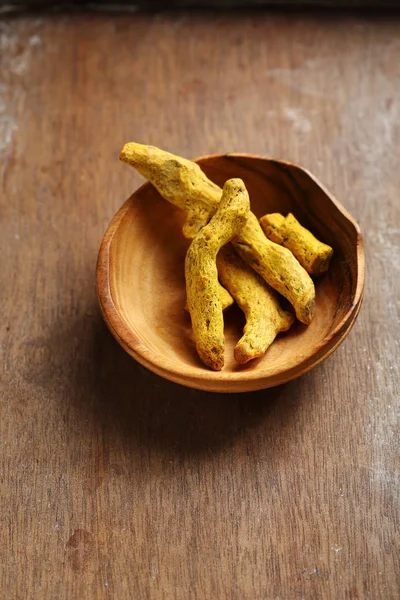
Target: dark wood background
(110,6)
(114,482)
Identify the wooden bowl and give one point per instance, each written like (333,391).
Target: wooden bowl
(141,285)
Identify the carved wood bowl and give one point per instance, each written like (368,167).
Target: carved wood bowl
(141,285)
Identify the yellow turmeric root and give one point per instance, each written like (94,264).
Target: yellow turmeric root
(180,181)
(260,304)
(184,184)
(202,286)
(225,297)
(312,254)
(278,267)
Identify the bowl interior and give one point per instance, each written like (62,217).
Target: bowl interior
(146,253)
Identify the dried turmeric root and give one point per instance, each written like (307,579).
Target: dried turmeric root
(312,254)
(202,286)
(180,181)
(184,184)
(260,304)
(278,267)
(225,297)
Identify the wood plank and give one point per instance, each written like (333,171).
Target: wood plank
(116,483)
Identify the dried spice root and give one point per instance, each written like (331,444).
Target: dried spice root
(278,267)
(264,316)
(225,297)
(180,181)
(312,254)
(202,286)
(184,184)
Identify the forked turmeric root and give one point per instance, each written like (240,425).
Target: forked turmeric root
(202,286)
(312,254)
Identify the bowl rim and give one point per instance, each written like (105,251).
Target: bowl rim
(220,381)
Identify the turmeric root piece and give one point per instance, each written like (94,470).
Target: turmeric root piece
(225,297)
(202,286)
(278,267)
(312,254)
(184,184)
(180,181)
(260,304)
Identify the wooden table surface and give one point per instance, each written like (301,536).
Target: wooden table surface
(114,482)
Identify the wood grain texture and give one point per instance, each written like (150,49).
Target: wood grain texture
(141,279)
(114,482)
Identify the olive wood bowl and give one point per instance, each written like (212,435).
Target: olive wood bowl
(141,284)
